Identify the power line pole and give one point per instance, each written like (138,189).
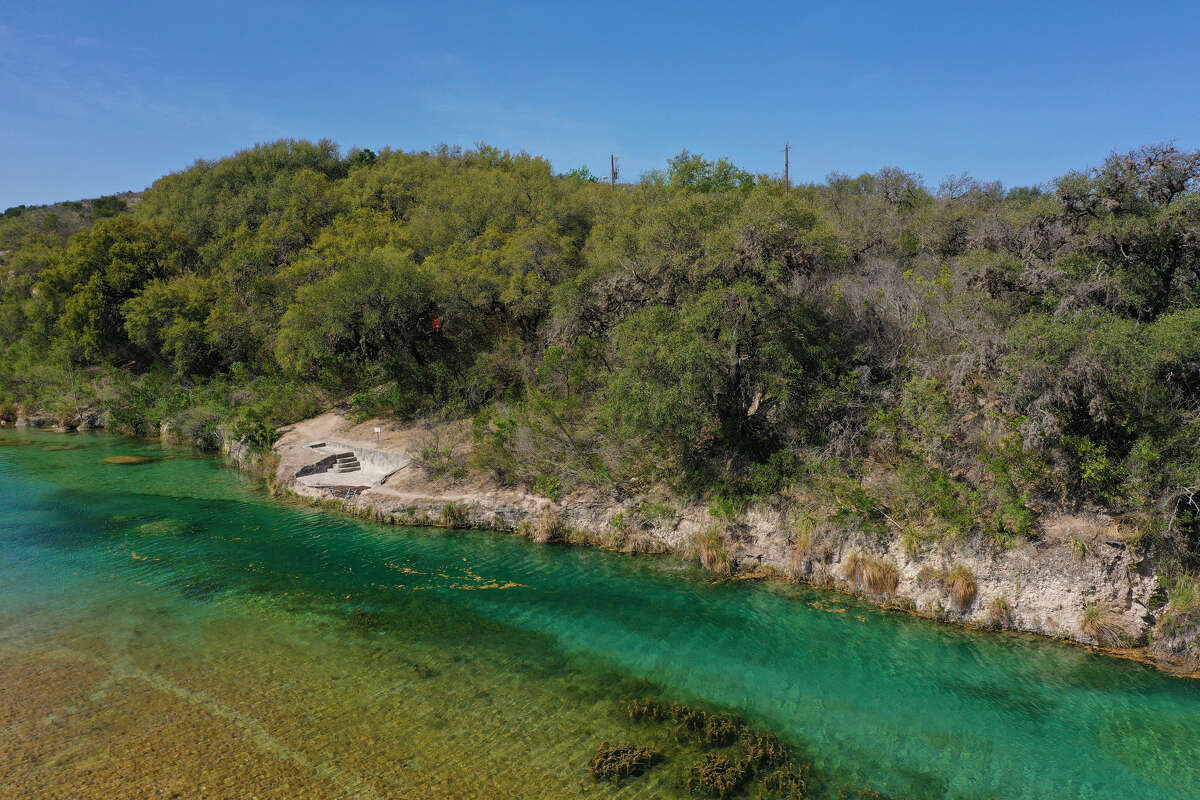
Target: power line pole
(787,184)
(612,166)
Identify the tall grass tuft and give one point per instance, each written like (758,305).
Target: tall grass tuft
(713,553)
(855,567)
(1101,622)
(876,575)
(881,577)
(960,582)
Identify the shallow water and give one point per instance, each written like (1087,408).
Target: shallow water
(165,626)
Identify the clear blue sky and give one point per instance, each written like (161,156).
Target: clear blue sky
(101,97)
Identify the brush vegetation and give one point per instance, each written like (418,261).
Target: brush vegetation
(937,362)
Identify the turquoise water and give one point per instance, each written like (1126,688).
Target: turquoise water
(386,661)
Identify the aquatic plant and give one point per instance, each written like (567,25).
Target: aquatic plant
(640,710)
(688,719)
(763,750)
(613,762)
(720,730)
(717,775)
(713,553)
(128,461)
(790,782)
(1101,622)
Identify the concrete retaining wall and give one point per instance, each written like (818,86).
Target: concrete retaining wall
(377,460)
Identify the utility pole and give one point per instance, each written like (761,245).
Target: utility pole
(612,166)
(787,184)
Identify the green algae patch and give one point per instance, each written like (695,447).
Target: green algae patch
(163,527)
(129,461)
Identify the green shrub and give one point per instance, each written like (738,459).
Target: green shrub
(454,516)
(548,486)
(257,436)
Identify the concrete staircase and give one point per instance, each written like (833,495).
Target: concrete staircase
(345,462)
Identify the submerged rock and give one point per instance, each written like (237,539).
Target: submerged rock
(129,460)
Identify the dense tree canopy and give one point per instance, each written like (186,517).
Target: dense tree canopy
(1001,352)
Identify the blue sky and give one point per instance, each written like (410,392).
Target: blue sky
(101,97)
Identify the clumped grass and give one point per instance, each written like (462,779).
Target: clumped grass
(876,575)
(960,583)
(714,556)
(1183,597)
(804,525)
(1101,622)
(453,515)
(999,612)
(546,527)
(881,577)
(641,710)
(854,567)
(613,762)
(717,775)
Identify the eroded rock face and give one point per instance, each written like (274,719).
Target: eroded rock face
(1177,640)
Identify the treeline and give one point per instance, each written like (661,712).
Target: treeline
(946,361)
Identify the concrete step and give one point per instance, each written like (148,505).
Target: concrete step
(346,464)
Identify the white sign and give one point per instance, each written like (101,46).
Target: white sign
(377,430)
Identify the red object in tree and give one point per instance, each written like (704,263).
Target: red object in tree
(436,324)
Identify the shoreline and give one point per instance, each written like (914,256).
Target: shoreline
(419,501)
(760,546)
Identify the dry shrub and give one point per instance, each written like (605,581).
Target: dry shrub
(960,582)
(881,577)
(855,567)
(876,575)
(546,527)
(999,612)
(713,553)
(1101,622)
(616,761)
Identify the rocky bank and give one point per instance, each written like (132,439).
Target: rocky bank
(1080,580)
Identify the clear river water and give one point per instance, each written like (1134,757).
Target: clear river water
(167,629)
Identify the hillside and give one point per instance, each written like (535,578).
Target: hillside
(870,358)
